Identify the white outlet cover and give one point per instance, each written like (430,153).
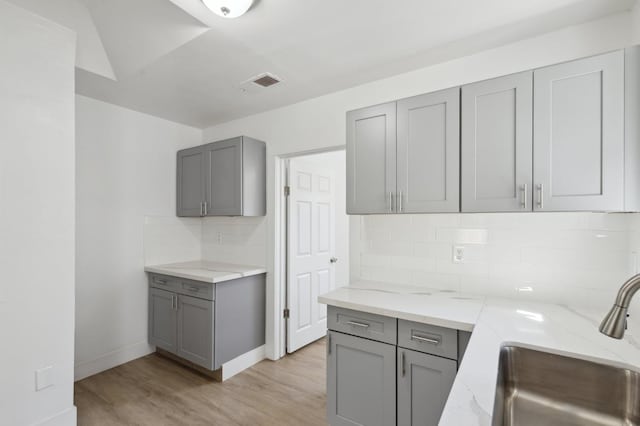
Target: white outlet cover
(44,378)
(458,254)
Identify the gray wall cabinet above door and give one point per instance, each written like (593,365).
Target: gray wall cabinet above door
(225,178)
(579,135)
(371,159)
(497,144)
(428,153)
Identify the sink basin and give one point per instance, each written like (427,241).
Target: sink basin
(540,388)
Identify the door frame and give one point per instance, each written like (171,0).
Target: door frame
(280,246)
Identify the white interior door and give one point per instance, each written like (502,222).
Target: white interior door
(311,247)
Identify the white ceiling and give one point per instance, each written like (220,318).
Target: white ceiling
(177,60)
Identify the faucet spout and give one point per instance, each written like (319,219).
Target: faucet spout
(614,324)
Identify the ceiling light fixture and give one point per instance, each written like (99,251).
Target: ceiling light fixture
(228,8)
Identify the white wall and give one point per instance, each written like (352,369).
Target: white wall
(36,218)
(320,122)
(126,181)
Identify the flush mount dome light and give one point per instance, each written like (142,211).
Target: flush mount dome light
(228,8)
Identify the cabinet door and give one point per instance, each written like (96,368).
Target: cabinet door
(424,382)
(195,330)
(361,381)
(371,159)
(428,163)
(224,178)
(579,134)
(497,144)
(162,319)
(191,182)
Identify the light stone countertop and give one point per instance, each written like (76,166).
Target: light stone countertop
(210,272)
(494,322)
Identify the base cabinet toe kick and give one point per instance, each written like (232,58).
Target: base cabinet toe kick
(206,324)
(384,371)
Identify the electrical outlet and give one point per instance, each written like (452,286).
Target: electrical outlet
(458,254)
(44,378)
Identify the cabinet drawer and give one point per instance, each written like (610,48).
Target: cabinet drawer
(196,289)
(429,339)
(370,326)
(163,282)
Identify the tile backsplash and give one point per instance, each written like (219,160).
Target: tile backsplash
(580,258)
(227,239)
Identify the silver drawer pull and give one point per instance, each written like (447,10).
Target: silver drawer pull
(358,324)
(425,339)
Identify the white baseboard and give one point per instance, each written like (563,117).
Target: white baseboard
(244,361)
(66,418)
(112,359)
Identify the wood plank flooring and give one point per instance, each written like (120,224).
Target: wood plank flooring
(156,391)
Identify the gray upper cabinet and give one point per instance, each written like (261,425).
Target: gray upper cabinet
(579,148)
(225,178)
(195,330)
(428,153)
(496,144)
(371,159)
(361,381)
(191,182)
(424,382)
(162,317)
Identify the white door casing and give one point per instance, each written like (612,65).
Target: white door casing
(311,247)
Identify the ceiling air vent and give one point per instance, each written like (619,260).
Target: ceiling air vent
(266,80)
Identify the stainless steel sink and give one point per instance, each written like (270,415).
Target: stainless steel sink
(540,388)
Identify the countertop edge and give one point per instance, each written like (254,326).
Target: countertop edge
(437,321)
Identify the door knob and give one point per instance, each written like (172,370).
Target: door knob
(333,260)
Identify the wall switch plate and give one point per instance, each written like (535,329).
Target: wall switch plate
(458,254)
(44,378)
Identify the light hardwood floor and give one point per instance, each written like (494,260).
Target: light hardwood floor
(156,391)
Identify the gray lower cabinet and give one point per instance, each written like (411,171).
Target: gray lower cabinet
(382,370)
(207,324)
(195,330)
(224,178)
(424,382)
(162,319)
(361,381)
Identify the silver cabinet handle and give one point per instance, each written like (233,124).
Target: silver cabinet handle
(540,196)
(425,339)
(391,201)
(358,324)
(403,363)
(523,198)
(400,202)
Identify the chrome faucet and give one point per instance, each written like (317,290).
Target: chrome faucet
(614,324)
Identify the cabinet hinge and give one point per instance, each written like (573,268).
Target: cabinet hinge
(286,312)
(287,191)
